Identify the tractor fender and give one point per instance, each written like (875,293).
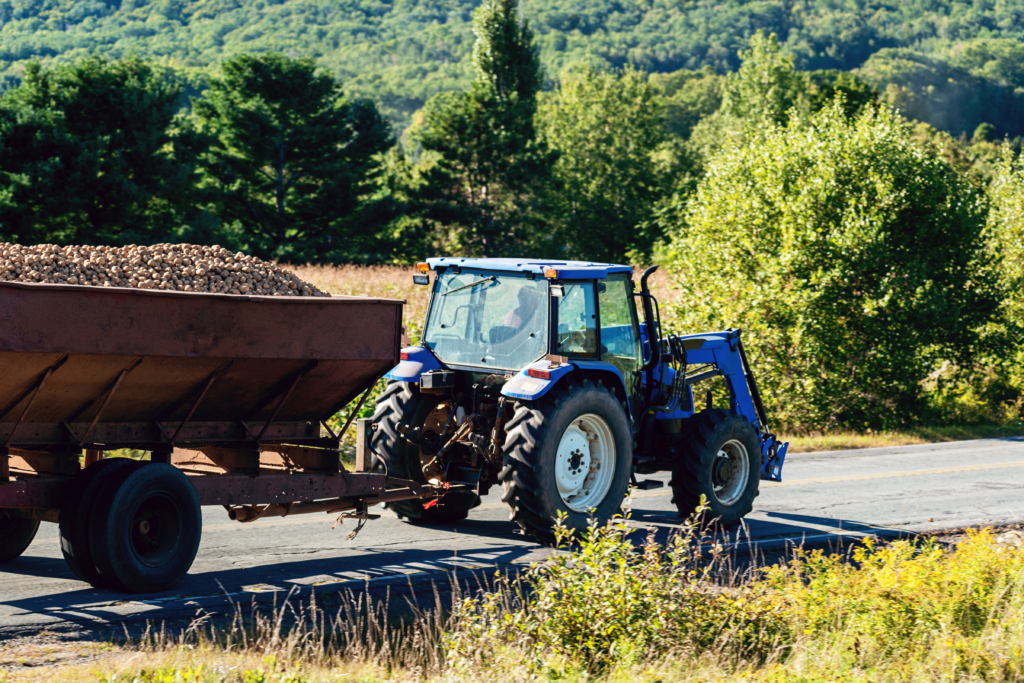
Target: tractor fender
(416,361)
(528,388)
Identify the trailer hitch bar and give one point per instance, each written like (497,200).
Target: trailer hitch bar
(410,490)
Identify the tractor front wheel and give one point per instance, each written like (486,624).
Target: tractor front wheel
(721,460)
(567,453)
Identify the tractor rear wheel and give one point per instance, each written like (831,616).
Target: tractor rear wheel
(720,459)
(568,453)
(402,402)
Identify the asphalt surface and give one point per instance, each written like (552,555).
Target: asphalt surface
(825,498)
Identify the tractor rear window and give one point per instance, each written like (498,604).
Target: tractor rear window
(495,320)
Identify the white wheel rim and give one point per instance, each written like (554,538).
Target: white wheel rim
(585,463)
(730,472)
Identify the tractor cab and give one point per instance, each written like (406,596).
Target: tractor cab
(506,316)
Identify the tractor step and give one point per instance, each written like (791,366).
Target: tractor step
(648,484)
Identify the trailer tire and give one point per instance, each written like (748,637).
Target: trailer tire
(76,513)
(531,465)
(395,456)
(719,458)
(146,528)
(17,533)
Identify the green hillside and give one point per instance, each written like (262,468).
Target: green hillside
(929,53)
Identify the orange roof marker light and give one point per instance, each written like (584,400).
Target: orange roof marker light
(423,267)
(550,273)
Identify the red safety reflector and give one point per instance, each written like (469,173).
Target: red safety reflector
(539,374)
(405,355)
(423,267)
(550,272)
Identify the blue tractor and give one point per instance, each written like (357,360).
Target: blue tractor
(540,376)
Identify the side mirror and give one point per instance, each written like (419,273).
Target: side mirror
(557,290)
(602,287)
(421,279)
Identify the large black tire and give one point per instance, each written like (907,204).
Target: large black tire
(15,535)
(700,469)
(396,456)
(145,529)
(77,511)
(531,449)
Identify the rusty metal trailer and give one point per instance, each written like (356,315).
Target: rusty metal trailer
(229,394)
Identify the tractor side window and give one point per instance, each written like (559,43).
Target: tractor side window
(620,342)
(577,321)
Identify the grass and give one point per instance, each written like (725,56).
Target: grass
(617,608)
(833,441)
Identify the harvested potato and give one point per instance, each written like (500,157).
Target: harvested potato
(178,267)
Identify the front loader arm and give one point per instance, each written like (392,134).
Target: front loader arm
(724,352)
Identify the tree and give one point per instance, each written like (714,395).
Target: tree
(1006,224)
(767,85)
(689,97)
(766,89)
(854,261)
(92,152)
(606,128)
(489,172)
(295,162)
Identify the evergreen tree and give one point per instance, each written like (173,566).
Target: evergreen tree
(489,170)
(91,153)
(295,162)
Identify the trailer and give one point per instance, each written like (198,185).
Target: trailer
(230,395)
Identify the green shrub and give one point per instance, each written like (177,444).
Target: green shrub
(611,602)
(853,259)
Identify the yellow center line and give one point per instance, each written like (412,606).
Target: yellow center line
(861,477)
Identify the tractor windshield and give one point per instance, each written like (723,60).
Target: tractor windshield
(495,320)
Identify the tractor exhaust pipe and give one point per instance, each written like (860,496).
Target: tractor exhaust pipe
(652,326)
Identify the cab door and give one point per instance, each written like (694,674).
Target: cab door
(620,335)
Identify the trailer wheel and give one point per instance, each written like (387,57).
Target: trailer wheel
(393,454)
(146,528)
(721,459)
(17,533)
(77,511)
(568,453)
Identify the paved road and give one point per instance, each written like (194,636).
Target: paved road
(825,497)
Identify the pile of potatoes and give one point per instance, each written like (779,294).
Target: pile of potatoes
(178,267)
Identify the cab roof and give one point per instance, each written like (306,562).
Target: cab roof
(569,270)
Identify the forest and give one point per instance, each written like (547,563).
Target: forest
(865,231)
(952,63)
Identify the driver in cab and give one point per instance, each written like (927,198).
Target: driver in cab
(521,317)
